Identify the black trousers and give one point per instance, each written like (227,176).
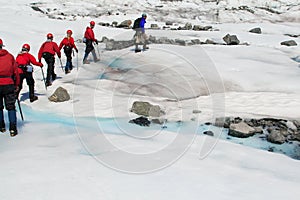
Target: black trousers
(50,60)
(7,93)
(30,82)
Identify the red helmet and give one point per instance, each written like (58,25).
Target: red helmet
(1,43)
(26,47)
(92,23)
(49,36)
(69,32)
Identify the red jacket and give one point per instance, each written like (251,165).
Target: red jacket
(89,34)
(8,68)
(67,42)
(25,58)
(50,47)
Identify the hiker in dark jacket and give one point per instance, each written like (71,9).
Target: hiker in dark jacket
(140,35)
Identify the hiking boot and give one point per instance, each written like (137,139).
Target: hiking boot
(96,60)
(33,98)
(2,127)
(86,62)
(137,50)
(13,130)
(67,71)
(48,84)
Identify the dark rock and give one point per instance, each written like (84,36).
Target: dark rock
(208,41)
(231,39)
(60,95)
(169,23)
(154,26)
(255,30)
(289,43)
(197,28)
(292,35)
(297,124)
(276,137)
(35,8)
(114,23)
(206,28)
(146,109)
(142,121)
(196,41)
(180,42)
(188,26)
(241,130)
(210,133)
(196,111)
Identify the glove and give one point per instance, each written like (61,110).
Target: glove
(96,42)
(40,60)
(76,50)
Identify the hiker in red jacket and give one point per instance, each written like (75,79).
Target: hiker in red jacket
(9,81)
(89,38)
(68,44)
(48,51)
(23,60)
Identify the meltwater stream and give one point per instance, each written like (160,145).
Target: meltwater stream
(115,127)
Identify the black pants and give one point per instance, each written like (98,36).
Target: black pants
(68,52)
(50,60)
(7,93)
(88,48)
(30,82)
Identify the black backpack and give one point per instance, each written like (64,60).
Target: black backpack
(136,23)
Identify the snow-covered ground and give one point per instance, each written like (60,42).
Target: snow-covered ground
(79,149)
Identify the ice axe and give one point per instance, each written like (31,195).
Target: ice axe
(20,109)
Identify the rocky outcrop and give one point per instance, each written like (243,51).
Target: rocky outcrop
(276,131)
(60,95)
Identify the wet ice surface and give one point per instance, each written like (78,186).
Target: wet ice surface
(122,127)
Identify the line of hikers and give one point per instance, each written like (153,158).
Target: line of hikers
(14,71)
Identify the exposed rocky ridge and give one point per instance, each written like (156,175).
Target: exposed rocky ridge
(276,131)
(211,10)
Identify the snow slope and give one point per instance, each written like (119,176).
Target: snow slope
(79,149)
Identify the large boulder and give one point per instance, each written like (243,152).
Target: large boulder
(231,39)
(241,130)
(255,30)
(60,95)
(276,137)
(289,43)
(125,24)
(146,109)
